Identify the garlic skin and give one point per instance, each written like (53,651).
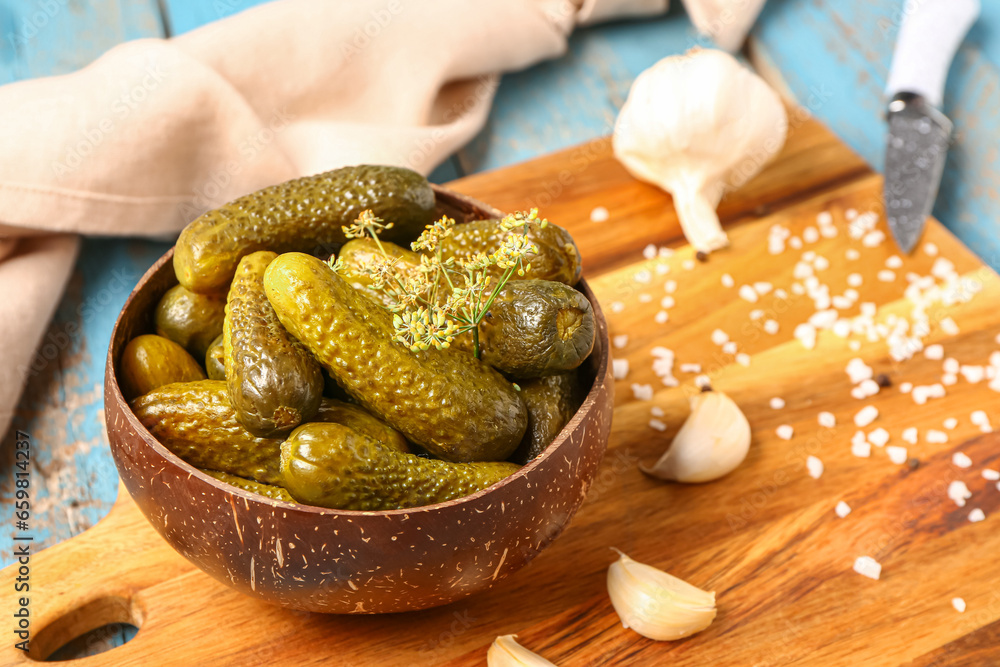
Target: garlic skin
(655,604)
(697,125)
(727,22)
(505,652)
(712,442)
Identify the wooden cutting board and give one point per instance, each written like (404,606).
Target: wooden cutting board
(765,538)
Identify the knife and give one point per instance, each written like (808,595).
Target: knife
(919,133)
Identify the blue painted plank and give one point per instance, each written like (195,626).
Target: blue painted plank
(845,50)
(185,15)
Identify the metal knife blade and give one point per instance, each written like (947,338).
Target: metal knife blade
(914,162)
(917,146)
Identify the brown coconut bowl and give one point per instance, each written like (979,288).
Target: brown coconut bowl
(340,561)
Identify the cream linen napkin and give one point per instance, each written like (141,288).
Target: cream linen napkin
(157,131)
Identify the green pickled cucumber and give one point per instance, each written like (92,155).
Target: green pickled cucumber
(274,383)
(331,465)
(362,421)
(150,361)
(306,214)
(359,252)
(196,421)
(536,328)
(552,401)
(455,406)
(267,490)
(190,319)
(557,258)
(215,362)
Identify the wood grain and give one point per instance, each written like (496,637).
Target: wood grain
(765,538)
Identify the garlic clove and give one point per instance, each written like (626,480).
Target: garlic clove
(655,604)
(505,652)
(727,22)
(712,442)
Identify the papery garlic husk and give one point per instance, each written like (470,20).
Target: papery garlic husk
(727,22)
(655,604)
(697,125)
(505,652)
(712,442)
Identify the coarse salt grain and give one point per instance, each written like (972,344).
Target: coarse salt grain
(873,239)
(720,337)
(842,509)
(657,411)
(599,214)
(649,252)
(810,235)
(922,393)
(815,467)
(785,432)
(949,327)
(756,314)
(743,359)
(948,379)
(727,280)
(771,327)
(958,604)
(910,435)
(795,242)
(868,567)
(690,368)
(879,437)
(748,293)
(805,333)
(703,381)
(662,269)
(777,403)
(977,515)
(827,419)
(643,277)
(865,416)
(951,365)
(661,317)
(959,492)
(959,459)
(858,370)
(620,341)
(991,474)
(645,298)
(666,252)
(824,218)
(642,392)
(861,449)
(936,437)
(730,347)
(763,288)
(894,262)
(670,286)
(886,276)
(855,280)
(905,387)
(657,425)
(950,423)
(935,352)
(896,454)
(619,367)
(972,374)
(617,306)
(667,302)
(688,264)
(852,254)
(855,345)
(930,249)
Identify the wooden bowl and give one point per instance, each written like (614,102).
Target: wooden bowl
(340,561)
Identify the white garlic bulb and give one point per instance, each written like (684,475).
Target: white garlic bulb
(505,652)
(712,442)
(697,125)
(655,604)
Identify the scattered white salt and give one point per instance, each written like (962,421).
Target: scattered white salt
(743,359)
(858,370)
(777,403)
(667,302)
(661,317)
(785,432)
(827,419)
(842,509)
(905,387)
(921,393)
(948,379)
(852,254)
(991,474)
(979,417)
(879,437)
(855,280)
(896,454)
(657,424)
(690,368)
(688,264)
(821,263)
(949,327)
(599,214)
(894,262)
(720,337)
(855,345)
(756,314)
(643,277)
(748,293)
(727,280)
(662,268)
(850,214)
(977,515)
(930,249)
(815,467)
(910,435)
(763,288)
(950,365)
(868,567)
(620,341)
(619,367)
(645,298)
(972,374)
(730,347)
(865,389)
(824,218)
(958,604)
(806,334)
(935,352)
(702,381)
(795,242)
(810,235)
(950,423)
(960,459)
(649,252)
(670,286)
(865,416)
(959,492)
(771,326)
(617,306)
(886,276)
(656,411)
(861,449)
(666,252)
(642,392)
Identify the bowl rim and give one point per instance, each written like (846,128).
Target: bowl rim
(602,340)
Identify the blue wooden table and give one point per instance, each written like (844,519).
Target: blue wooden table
(833,57)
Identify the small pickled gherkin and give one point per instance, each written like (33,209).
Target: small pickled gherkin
(151,361)
(362,421)
(267,490)
(274,383)
(215,362)
(190,319)
(552,401)
(305,214)
(536,328)
(446,401)
(358,253)
(331,465)
(557,258)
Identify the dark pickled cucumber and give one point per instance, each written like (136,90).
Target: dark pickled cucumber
(267,490)
(150,361)
(536,328)
(362,421)
(306,214)
(196,421)
(215,362)
(190,319)
(455,406)
(333,466)
(552,401)
(557,258)
(274,383)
